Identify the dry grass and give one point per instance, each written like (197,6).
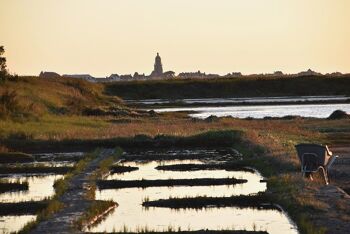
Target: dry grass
(80,127)
(37,96)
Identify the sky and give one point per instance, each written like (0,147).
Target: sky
(101,37)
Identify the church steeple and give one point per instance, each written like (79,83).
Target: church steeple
(158,67)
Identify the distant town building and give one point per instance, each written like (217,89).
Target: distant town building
(309,72)
(234,74)
(197,75)
(168,74)
(45,74)
(158,67)
(335,74)
(126,77)
(138,76)
(86,77)
(278,73)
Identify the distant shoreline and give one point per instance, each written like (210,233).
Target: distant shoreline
(230,88)
(224,104)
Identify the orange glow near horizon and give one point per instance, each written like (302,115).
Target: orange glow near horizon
(123,36)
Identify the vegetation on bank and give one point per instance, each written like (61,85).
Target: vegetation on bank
(231,166)
(96,212)
(15,157)
(118,169)
(231,87)
(22,208)
(19,169)
(205,139)
(108,184)
(12,186)
(257,201)
(171,229)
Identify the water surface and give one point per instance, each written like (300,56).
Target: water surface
(40,187)
(259,112)
(10,224)
(248,100)
(130,215)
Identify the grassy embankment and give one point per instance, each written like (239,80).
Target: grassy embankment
(52,104)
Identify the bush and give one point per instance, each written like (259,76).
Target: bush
(9,104)
(339,114)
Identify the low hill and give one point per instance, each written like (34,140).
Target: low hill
(33,96)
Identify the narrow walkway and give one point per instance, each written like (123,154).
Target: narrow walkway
(74,200)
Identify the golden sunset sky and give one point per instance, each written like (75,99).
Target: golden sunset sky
(101,37)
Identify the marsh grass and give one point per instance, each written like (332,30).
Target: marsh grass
(107,184)
(172,229)
(19,169)
(95,214)
(118,169)
(15,157)
(22,208)
(12,186)
(230,166)
(257,201)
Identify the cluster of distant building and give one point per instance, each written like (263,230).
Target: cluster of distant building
(158,73)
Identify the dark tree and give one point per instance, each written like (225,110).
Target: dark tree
(3,70)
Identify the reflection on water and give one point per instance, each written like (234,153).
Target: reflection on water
(40,187)
(47,157)
(259,112)
(131,215)
(10,224)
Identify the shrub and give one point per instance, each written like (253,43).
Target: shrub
(9,104)
(339,114)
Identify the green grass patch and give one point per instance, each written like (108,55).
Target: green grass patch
(222,138)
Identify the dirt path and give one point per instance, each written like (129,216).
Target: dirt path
(74,200)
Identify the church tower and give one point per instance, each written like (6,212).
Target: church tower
(158,67)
